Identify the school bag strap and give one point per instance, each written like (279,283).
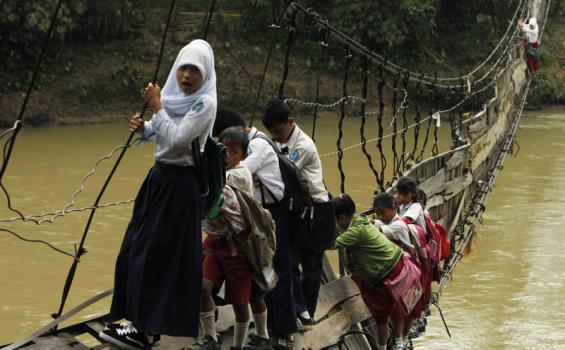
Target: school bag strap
(297,201)
(211,173)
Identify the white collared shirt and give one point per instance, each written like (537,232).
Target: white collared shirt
(303,153)
(263,162)
(174,134)
(396,230)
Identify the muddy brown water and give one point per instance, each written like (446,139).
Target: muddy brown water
(507,294)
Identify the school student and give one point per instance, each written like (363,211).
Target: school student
(224,258)
(263,163)
(372,259)
(392,226)
(158,272)
(301,150)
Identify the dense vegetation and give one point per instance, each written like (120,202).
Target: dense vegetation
(119,39)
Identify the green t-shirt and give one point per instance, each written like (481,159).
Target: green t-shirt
(371,255)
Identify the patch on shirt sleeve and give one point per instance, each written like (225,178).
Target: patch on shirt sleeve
(294,156)
(249,151)
(198,106)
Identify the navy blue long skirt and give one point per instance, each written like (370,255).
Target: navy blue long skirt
(158,277)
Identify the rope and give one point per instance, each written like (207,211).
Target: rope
(323,45)
(348,58)
(393,124)
(39,241)
(209,20)
(404,123)
(418,117)
(292,34)
(365,77)
(80,251)
(380,115)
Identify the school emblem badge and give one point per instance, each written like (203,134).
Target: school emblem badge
(294,156)
(198,106)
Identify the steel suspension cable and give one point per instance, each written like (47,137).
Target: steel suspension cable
(292,34)
(380,86)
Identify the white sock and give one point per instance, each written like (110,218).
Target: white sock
(381,347)
(398,342)
(240,334)
(305,314)
(260,321)
(208,324)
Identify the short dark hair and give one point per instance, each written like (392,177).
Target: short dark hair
(226,118)
(276,112)
(344,205)
(407,184)
(234,135)
(384,200)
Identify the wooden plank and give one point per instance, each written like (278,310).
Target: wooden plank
(76,345)
(333,293)
(94,328)
(51,342)
(356,309)
(326,333)
(434,185)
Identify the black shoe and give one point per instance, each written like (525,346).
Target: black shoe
(258,343)
(114,326)
(208,343)
(305,324)
(127,337)
(283,343)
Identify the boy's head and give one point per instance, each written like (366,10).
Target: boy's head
(344,210)
(225,119)
(236,142)
(422,197)
(278,121)
(384,206)
(406,190)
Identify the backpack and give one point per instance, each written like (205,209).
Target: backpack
(296,200)
(433,239)
(444,243)
(211,172)
(260,245)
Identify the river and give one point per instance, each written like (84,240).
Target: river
(507,294)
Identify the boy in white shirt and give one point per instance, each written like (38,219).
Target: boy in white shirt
(301,150)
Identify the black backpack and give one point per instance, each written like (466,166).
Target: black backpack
(297,201)
(211,168)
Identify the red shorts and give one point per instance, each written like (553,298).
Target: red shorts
(219,265)
(378,299)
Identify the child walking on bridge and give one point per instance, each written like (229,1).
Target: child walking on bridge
(225,259)
(373,259)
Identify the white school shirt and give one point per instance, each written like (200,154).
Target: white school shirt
(174,133)
(397,230)
(262,161)
(240,177)
(302,151)
(415,212)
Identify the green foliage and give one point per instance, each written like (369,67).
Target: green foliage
(25,24)
(125,83)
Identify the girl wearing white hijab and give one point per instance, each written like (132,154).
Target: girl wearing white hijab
(158,276)
(531,31)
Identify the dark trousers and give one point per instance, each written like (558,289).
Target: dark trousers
(280,301)
(306,281)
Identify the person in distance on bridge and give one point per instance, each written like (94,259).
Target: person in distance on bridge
(158,275)
(531,33)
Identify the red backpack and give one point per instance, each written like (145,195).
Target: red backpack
(433,239)
(444,243)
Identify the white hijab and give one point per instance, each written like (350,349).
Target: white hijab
(200,54)
(532,31)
